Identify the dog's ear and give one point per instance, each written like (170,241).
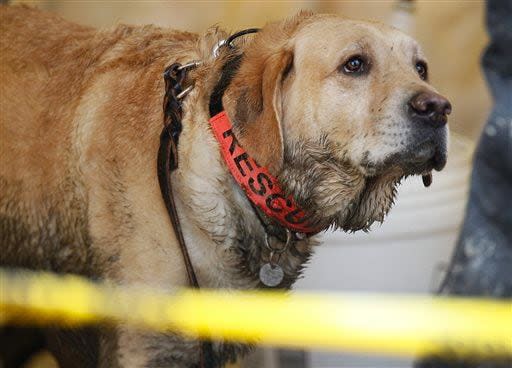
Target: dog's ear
(253,100)
(254,105)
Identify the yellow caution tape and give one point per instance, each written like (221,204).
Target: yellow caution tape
(396,324)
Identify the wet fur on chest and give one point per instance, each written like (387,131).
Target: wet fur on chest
(224,219)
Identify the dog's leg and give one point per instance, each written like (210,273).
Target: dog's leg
(140,245)
(138,348)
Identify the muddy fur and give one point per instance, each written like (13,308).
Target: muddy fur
(81,116)
(333,191)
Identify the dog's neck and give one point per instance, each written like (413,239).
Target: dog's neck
(226,240)
(224,234)
(275,224)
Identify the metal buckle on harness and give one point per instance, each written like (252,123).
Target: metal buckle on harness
(215,53)
(218,45)
(185,92)
(229,41)
(190,65)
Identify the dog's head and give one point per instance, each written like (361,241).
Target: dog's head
(340,110)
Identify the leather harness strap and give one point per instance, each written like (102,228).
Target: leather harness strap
(168,155)
(174,77)
(175,89)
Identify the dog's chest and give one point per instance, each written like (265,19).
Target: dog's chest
(228,249)
(224,235)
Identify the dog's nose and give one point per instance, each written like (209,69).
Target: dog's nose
(430,108)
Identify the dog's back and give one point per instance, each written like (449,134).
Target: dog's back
(51,81)
(80,118)
(43,61)
(74,101)
(42,210)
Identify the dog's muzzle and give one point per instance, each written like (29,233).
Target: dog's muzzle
(427,144)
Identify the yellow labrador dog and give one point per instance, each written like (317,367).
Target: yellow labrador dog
(337,110)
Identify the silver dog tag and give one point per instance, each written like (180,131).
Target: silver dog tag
(271,275)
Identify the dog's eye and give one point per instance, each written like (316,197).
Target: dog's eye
(421,68)
(356,64)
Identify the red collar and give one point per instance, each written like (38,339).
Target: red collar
(262,189)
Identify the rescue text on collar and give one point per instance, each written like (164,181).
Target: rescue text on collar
(262,189)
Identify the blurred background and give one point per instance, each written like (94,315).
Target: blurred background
(408,253)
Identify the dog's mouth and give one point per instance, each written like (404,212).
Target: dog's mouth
(420,159)
(423,158)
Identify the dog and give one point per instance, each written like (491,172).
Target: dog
(339,111)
